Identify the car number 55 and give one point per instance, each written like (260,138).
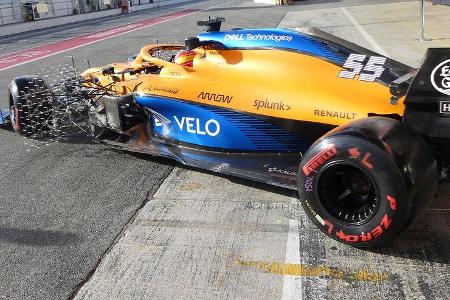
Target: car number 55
(369,71)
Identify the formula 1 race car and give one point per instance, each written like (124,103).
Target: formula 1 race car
(364,139)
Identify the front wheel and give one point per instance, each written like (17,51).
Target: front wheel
(31,106)
(363,193)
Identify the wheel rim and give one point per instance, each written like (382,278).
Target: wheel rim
(348,193)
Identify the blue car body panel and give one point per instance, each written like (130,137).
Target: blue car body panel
(4,113)
(275,38)
(214,127)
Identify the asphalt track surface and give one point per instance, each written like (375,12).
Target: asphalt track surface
(65,205)
(62,206)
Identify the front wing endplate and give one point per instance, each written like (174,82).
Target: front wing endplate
(4,114)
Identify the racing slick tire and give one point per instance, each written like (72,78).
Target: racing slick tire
(31,105)
(364,182)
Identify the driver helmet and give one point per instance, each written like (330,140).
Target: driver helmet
(185,58)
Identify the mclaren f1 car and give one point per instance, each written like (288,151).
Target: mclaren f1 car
(363,138)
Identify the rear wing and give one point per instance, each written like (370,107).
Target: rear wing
(431,85)
(427,101)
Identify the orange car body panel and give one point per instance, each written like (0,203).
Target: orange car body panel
(269,82)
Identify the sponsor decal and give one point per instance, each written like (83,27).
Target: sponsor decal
(365,236)
(334,114)
(275,105)
(193,125)
(158,123)
(445,107)
(166,90)
(366,162)
(215,97)
(309,184)
(374,233)
(392,202)
(196,126)
(309,207)
(281,171)
(257,37)
(440,78)
(356,154)
(318,160)
(369,71)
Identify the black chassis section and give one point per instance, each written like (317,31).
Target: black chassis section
(279,169)
(423,107)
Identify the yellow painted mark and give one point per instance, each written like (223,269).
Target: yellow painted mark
(190,186)
(314,271)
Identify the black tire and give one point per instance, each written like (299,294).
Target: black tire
(31,106)
(363,183)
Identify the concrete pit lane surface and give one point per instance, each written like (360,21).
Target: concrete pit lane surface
(204,236)
(82,221)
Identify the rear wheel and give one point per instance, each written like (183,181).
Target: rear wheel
(363,190)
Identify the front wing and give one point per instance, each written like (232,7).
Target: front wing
(4,114)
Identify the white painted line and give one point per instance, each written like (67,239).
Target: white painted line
(119,34)
(364,33)
(292,285)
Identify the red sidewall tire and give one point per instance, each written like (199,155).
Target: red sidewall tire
(394,199)
(15,119)
(31,112)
